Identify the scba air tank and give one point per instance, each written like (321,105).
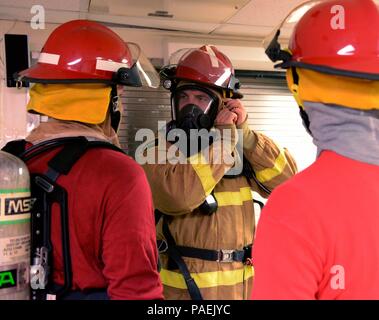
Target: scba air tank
(15,206)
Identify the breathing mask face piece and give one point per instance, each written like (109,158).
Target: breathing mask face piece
(194,108)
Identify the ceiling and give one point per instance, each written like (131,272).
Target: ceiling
(235,18)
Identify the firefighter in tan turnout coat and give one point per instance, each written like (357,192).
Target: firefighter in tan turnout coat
(205,211)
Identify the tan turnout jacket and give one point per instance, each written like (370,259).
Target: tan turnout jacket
(179,189)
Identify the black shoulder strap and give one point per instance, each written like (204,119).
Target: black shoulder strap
(49,192)
(15,147)
(72,152)
(73,149)
(175,255)
(249,173)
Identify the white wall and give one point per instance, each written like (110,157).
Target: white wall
(13,117)
(245,53)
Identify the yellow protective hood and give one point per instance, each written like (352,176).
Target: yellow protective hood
(329,89)
(86,103)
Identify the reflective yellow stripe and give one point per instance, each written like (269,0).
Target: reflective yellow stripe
(204,172)
(233,198)
(270,173)
(207,279)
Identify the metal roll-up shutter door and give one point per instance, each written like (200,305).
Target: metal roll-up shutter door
(142,108)
(273,111)
(270,106)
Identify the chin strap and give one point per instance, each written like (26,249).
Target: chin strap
(114,109)
(295,92)
(295,87)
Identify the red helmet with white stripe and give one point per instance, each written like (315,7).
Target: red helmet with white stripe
(206,65)
(83,51)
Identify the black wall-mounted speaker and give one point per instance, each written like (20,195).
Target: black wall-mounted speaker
(16,56)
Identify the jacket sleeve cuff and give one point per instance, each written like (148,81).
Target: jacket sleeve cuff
(249,137)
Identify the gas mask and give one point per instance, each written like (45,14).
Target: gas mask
(193,108)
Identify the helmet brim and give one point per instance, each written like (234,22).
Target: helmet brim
(345,67)
(41,73)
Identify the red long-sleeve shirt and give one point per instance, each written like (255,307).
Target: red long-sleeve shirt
(318,236)
(111,224)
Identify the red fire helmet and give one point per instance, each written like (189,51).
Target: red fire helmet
(339,37)
(83,51)
(206,65)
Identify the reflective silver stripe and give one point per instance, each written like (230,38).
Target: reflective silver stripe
(110,65)
(49,58)
(212,56)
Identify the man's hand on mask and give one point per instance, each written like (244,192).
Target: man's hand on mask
(236,106)
(225,117)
